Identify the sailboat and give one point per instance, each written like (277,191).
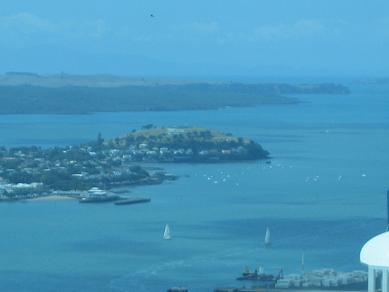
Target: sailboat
(267,238)
(303,263)
(166,233)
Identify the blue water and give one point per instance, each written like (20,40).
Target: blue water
(218,213)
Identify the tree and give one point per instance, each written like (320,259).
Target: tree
(148,126)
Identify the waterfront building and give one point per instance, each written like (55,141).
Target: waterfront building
(375,254)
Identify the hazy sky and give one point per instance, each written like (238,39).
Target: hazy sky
(198,37)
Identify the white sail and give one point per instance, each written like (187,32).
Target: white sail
(166,233)
(267,237)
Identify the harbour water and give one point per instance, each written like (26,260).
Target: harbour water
(323,194)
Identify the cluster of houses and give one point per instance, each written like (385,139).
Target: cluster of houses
(325,279)
(146,153)
(31,172)
(152,144)
(24,190)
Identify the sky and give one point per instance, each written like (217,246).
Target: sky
(196,38)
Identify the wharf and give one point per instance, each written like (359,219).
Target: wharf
(130,201)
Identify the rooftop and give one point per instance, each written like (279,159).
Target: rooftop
(376,252)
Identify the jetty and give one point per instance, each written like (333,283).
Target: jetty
(133,200)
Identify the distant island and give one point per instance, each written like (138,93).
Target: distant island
(33,172)
(29,93)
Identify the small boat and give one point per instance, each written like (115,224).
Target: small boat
(267,238)
(166,233)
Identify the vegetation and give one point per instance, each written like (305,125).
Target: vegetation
(34,171)
(27,99)
(187,144)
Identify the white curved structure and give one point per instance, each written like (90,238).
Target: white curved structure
(375,254)
(166,233)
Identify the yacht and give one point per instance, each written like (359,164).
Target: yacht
(166,233)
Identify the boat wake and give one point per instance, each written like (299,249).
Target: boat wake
(160,276)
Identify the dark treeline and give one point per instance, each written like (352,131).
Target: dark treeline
(29,99)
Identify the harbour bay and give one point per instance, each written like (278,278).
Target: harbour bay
(218,213)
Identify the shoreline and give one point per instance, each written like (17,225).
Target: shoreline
(50,198)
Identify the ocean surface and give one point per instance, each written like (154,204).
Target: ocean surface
(322,195)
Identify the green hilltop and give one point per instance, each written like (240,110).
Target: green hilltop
(187,144)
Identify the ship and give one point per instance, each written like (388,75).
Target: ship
(261,278)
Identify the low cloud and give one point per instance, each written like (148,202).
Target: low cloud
(303,28)
(299,29)
(28,24)
(24,22)
(22,27)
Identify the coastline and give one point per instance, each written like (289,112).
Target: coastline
(50,198)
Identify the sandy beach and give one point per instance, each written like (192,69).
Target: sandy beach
(51,198)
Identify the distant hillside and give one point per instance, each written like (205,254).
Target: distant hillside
(117,94)
(184,144)
(101,80)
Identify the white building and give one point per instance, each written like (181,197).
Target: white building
(375,254)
